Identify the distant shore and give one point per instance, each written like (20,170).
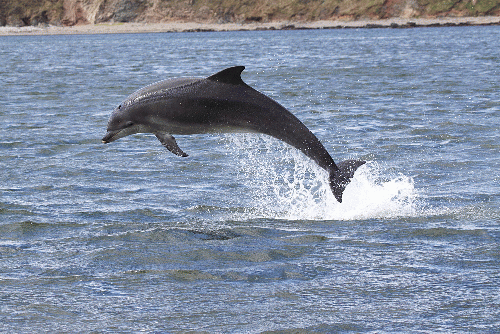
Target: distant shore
(120,28)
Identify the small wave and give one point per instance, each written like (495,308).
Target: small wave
(284,184)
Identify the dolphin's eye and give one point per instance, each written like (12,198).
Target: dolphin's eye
(129,124)
(119,107)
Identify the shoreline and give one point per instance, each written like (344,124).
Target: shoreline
(122,28)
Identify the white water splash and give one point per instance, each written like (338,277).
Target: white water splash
(282,183)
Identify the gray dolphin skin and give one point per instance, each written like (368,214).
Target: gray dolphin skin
(220,103)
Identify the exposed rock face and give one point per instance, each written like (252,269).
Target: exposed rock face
(76,12)
(29,12)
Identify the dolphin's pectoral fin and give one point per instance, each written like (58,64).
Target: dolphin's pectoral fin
(169,142)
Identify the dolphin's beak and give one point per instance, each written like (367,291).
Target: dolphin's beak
(108,138)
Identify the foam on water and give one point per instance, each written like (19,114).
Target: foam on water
(282,183)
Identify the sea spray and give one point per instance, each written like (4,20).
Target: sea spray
(282,183)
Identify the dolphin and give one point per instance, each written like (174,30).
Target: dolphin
(219,103)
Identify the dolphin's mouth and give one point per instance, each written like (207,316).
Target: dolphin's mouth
(110,136)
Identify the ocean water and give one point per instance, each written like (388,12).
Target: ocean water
(244,236)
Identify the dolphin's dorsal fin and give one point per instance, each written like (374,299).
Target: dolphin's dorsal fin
(231,75)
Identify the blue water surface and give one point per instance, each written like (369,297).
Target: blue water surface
(244,236)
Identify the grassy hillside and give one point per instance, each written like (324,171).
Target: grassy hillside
(468,7)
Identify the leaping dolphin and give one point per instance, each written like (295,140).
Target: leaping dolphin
(220,103)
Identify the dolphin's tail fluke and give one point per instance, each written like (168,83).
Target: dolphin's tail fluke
(341,177)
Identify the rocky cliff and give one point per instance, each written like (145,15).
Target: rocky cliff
(77,12)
